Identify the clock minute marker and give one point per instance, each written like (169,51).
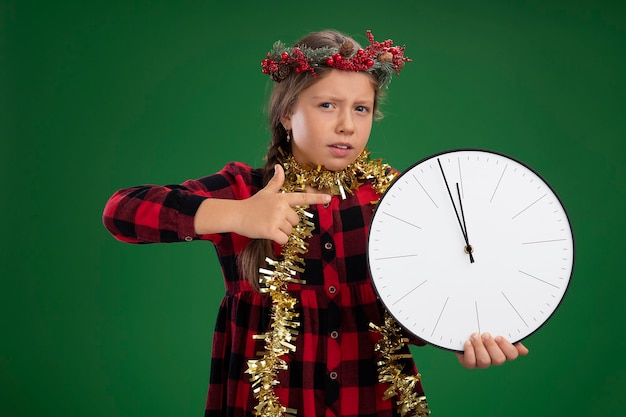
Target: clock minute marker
(396,257)
(514,309)
(439,318)
(538,279)
(405,295)
(424,189)
(401,220)
(498,184)
(543,241)
(529,206)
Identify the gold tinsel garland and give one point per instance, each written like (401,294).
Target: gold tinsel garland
(390,370)
(298,177)
(280,338)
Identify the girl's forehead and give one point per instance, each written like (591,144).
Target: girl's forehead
(345,82)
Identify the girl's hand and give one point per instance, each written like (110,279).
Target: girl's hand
(482,351)
(269,213)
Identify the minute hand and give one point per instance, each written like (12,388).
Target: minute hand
(468,248)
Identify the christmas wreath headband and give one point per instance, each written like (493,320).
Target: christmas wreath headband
(380,58)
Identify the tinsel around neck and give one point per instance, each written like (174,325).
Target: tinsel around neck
(299,176)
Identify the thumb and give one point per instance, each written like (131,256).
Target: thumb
(277,180)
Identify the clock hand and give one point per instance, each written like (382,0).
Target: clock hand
(467,247)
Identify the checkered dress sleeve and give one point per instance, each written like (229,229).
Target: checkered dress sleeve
(153,213)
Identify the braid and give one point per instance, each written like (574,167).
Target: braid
(279,141)
(254,254)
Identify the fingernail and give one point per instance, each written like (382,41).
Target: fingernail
(486,336)
(326,198)
(474,336)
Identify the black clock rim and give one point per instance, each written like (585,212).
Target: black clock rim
(454,150)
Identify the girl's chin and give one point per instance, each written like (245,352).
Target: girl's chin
(337,166)
(331,163)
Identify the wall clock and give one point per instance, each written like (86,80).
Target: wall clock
(470,241)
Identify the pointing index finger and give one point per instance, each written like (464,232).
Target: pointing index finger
(301,199)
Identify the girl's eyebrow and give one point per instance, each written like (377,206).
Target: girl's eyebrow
(334,98)
(326,97)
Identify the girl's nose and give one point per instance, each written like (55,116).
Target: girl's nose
(345,124)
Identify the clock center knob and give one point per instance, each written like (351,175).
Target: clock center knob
(468,249)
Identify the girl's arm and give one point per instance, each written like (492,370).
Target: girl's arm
(204,208)
(151,213)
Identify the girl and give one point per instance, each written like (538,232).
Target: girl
(309,337)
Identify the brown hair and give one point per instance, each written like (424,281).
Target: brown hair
(282,99)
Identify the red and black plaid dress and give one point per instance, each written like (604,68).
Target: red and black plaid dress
(333,371)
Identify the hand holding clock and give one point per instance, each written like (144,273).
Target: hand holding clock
(482,351)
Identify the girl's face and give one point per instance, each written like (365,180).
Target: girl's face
(332,119)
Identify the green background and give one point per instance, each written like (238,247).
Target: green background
(98,96)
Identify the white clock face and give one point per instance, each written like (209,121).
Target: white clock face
(511,277)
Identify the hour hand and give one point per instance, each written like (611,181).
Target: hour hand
(468,248)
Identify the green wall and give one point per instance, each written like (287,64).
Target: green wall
(99,96)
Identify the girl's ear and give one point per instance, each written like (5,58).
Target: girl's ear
(285,120)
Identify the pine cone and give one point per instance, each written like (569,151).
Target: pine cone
(283,72)
(346,49)
(385,57)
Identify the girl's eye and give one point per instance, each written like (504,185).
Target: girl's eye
(326,105)
(361,109)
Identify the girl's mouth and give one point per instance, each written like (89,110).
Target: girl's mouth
(340,150)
